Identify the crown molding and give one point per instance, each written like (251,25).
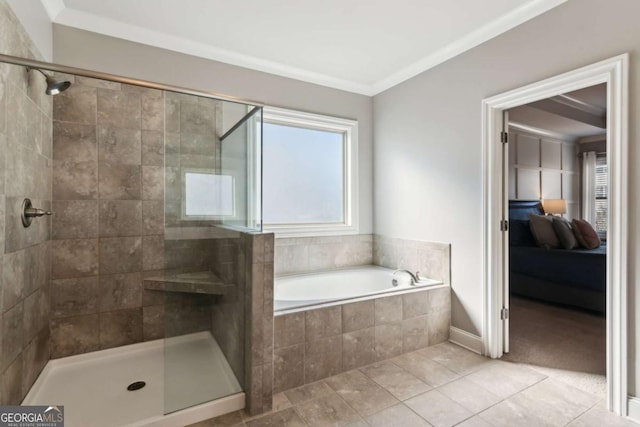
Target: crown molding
(90,22)
(110,27)
(500,25)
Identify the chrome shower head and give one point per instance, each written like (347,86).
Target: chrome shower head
(54,87)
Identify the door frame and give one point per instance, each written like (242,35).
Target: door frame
(614,72)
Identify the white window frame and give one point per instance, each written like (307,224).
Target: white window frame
(349,128)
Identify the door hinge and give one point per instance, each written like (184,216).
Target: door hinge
(504,137)
(504,225)
(504,313)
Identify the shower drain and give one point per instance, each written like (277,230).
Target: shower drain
(136,385)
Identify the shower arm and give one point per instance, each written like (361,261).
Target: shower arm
(46,76)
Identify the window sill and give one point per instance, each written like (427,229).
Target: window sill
(308,230)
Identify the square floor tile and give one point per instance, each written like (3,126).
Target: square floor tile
(280,401)
(425,369)
(509,414)
(308,392)
(285,418)
(469,394)
(455,358)
(555,402)
(474,422)
(598,417)
(330,410)
(361,393)
(438,409)
(505,379)
(396,416)
(396,380)
(233,419)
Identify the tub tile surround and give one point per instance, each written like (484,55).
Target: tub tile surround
(25,171)
(431,259)
(302,254)
(318,343)
(306,254)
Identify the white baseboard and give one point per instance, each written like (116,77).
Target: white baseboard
(633,408)
(465,339)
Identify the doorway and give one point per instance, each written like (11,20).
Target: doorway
(614,73)
(557,184)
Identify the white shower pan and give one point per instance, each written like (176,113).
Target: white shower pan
(93,386)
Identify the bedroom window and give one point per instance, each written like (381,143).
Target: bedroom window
(309,174)
(602,193)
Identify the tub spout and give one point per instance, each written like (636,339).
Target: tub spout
(414,277)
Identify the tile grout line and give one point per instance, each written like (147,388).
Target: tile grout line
(583,412)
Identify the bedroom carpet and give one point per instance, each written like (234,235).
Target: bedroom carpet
(564,343)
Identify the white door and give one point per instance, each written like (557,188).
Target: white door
(504,313)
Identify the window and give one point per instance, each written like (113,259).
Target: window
(207,195)
(602,193)
(309,174)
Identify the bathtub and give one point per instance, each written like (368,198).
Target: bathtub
(330,322)
(332,287)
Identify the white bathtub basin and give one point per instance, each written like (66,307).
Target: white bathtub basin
(303,290)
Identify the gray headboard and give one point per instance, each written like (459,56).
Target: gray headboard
(520,209)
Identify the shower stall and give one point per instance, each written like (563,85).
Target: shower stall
(159,305)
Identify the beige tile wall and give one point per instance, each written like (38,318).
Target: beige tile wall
(25,171)
(300,254)
(319,343)
(431,259)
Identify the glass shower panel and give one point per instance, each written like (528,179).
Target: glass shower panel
(206,194)
(241,161)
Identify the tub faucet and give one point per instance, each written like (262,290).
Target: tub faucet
(414,277)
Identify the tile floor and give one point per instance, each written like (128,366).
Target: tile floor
(443,385)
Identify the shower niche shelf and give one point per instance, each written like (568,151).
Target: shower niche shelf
(200,282)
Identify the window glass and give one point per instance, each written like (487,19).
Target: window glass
(208,194)
(303,175)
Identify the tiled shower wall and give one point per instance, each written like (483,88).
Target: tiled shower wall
(25,171)
(193,129)
(108,190)
(259,328)
(242,320)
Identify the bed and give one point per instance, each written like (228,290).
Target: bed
(575,277)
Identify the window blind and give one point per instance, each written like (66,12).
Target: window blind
(602,192)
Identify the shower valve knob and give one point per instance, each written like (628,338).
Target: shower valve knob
(34,212)
(29,212)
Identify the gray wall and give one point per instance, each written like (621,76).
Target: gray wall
(25,171)
(428,138)
(428,130)
(97,52)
